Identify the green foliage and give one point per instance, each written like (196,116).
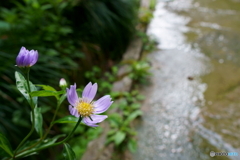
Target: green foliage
(67,119)
(145,16)
(122,133)
(104,79)
(68,152)
(139,70)
(38,121)
(5,148)
(29,147)
(24,151)
(82,136)
(71,36)
(107,23)
(46,93)
(152,4)
(22,87)
(149,43)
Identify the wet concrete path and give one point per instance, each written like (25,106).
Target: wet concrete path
(175,125)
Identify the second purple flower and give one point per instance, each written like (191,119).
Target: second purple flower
(85,106)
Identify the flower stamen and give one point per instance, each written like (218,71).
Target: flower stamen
(85,109)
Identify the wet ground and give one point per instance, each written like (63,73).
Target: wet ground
(193,102)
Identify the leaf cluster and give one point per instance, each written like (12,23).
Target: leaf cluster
(122,133)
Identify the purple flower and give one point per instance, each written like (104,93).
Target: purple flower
(86,107)
(26,58)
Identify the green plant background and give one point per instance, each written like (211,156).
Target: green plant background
(71,37)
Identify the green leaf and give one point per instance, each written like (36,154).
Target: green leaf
(5,146)
(135,106)
(110,139)
(22,87)
(119,137)
(38,121)
(115,120)
(45,93)
(112,132)
(49,89)
(132,145)
(132,116)
(67,119)
(140,97)
(68,153)
(44,144)
(46,87)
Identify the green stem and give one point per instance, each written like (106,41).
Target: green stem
(33,115)
(67,138)
(45,135)
(53,119)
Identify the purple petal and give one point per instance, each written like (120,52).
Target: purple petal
(72,95)
(95,119)
(102,104)
(34,57)
(73,111)
(27,59)
(20,57)
(22,51)
(20,61)
(89,91)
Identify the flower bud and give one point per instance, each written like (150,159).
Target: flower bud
(26,58)
(63,83)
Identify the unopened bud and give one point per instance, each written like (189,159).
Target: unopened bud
(63,83)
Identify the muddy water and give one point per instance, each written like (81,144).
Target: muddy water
(193,102)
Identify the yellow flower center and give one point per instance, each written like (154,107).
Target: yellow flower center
(85,109)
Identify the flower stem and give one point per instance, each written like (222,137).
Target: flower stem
(64,140)
(33,115)
(69,136)
(48,130)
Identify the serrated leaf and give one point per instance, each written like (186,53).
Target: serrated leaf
(22,87)
(67,119)
(68,153)
(119,137)
(5,146)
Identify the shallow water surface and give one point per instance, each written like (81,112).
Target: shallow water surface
(193,103)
